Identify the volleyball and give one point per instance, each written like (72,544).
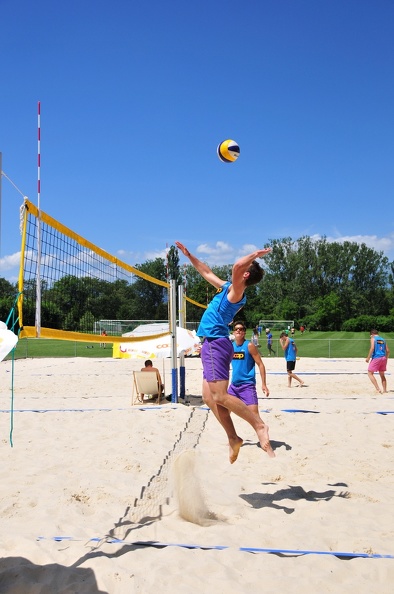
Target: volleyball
(228,151)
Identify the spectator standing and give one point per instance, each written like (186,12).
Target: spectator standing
(268,334)
(377,357)
(103,344)
(290,351)
(255,338)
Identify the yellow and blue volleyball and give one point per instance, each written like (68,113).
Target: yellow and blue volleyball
(228,151)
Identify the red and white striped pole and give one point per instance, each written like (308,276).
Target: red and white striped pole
(38,274)
(38,154)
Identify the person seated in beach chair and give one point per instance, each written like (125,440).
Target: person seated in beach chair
(149,367)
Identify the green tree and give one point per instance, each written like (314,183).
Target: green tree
(8,293)
(301,273)
(174,272)
(86,323)
(150,300)
(318,282)
(70,295)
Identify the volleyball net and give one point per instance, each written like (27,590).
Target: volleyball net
(66,282)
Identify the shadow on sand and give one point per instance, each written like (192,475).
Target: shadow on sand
(293,493)
(19,576)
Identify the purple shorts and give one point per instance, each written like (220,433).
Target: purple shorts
(378,364)
(216,356)
(246,392)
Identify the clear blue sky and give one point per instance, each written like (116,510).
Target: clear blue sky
(135,97)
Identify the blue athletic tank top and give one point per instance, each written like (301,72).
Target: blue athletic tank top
(290,352)
(243,365)
(219,313)
(379,347)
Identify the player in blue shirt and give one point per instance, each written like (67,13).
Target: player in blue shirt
(379,352)
(243,379)
(290,352)
(268,334)
(217,350)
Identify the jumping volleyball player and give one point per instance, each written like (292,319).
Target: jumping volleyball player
(217,350)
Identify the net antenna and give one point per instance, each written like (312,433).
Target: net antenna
(38,277)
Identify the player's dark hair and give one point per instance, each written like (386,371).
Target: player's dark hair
(256,274)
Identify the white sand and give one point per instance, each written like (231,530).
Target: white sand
(82,456)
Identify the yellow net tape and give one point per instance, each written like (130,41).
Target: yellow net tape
(72,271)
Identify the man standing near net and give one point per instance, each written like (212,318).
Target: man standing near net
(243,379)
(217,350)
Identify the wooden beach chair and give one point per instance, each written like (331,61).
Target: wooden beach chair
(146,384)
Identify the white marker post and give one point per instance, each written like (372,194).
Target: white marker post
(174,397)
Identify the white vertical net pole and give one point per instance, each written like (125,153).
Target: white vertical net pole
(182,324)
(174,375)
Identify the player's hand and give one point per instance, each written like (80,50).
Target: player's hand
(263,252)
(183,249)
(266,391)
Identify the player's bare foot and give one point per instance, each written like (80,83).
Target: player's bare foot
(234,447)
(264,439)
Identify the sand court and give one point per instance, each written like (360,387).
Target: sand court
(89,496)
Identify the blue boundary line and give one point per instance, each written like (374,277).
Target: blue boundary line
(45,410)
(157,544)
(300,410)
(322,373)
(172,407)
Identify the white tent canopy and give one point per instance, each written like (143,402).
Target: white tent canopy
(149,330)
(157,348)
(8,340)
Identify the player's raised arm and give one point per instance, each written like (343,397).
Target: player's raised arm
(201,267)
(246,272)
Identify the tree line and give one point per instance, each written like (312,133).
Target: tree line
(323,285)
